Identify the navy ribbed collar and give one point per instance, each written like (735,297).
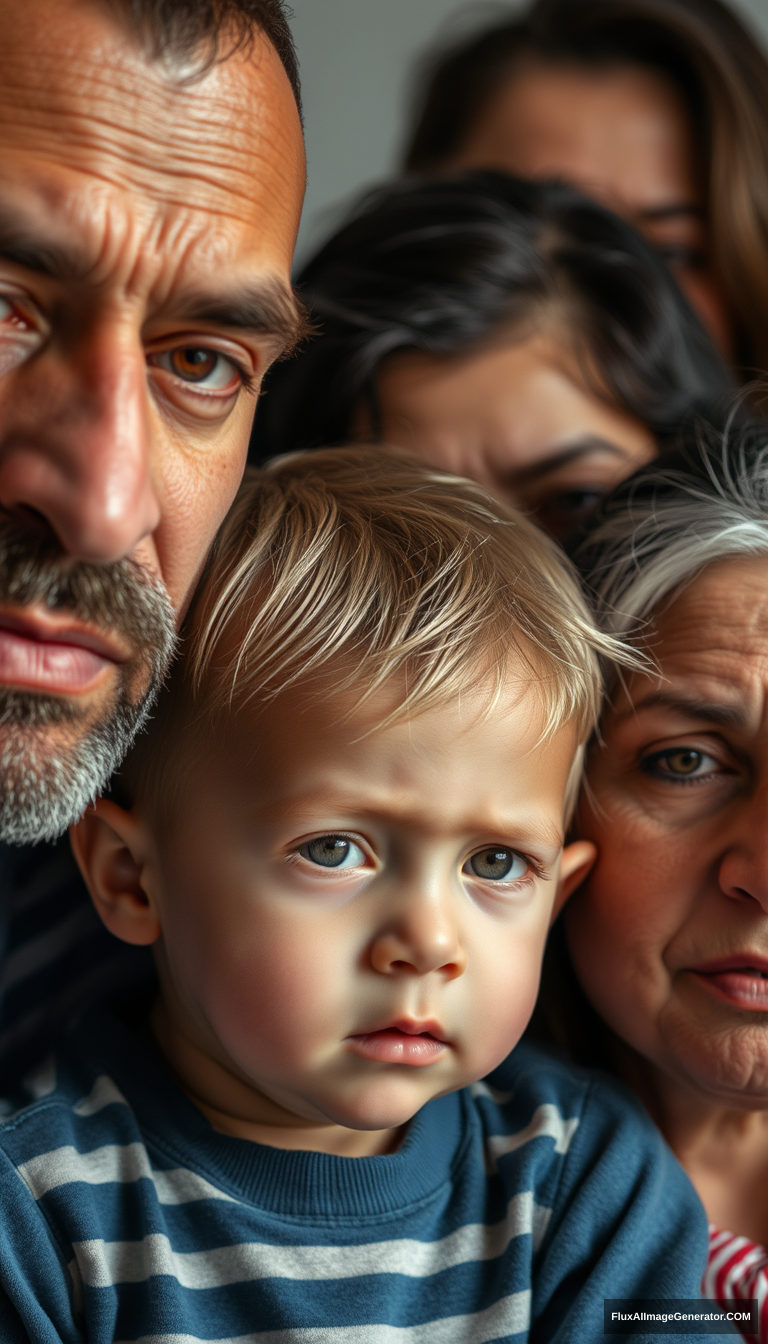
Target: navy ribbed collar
(288,1183)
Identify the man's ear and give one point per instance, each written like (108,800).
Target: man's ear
(111,848)
(575,865)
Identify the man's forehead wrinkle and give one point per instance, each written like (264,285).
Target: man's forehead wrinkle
(167,252)
(103,116)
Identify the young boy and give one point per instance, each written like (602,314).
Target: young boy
(343,837)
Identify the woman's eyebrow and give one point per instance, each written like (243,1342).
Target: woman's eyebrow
(581,448)
(672,211)
(724,715)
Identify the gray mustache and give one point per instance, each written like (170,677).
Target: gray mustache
(120,596)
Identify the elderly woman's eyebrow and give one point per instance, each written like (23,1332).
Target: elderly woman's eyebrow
(693,707)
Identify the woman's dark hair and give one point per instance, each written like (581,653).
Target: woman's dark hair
(709,56)
(441,265)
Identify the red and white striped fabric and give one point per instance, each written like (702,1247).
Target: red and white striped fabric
(738,1268)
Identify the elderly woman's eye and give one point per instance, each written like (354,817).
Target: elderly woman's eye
(333,851)
(680,763)
(496,864)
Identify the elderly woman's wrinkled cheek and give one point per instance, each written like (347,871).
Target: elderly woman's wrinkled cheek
(722,1057)
(669,937)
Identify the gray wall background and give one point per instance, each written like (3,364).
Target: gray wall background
(358,61)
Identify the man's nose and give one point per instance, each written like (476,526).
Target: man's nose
(743,870)
(74,447)
(419,935)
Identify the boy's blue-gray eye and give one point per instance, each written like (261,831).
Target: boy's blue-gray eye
(333,851)
(496,864)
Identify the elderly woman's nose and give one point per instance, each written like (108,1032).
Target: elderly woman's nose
(744,866)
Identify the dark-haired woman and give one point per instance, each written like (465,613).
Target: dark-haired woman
(659,108)
(513,332)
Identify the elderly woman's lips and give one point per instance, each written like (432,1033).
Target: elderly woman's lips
(744,986)
(55,667)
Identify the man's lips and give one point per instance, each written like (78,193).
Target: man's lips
(741,979)
(403,1042)
(51,653)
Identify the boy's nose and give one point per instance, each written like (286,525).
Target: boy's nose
(419,938)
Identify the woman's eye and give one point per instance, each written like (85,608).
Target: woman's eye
(497,865)
(199,366)
(680,763)
(678,257)
(333,851)
(560,514)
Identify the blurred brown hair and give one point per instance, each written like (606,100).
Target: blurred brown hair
(710,57)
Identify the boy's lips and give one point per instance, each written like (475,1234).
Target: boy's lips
(402,1042)
(742,979)
(53,654)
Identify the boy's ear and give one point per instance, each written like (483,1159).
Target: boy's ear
(111,847)
(575,865)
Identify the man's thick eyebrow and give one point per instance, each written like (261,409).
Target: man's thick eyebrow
(21,247)
(724,716)
(261,308)
(582,448)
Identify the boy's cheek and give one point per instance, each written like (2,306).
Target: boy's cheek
(271,997)
(501,1011)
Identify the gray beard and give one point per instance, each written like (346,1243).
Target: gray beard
(44,789)
(53,761)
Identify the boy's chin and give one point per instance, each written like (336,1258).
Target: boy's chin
(387,1104)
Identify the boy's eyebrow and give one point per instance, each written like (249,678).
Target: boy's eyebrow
(693,707)
(535,831)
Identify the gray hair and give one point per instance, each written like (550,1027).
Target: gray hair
(207,31)
(658,531)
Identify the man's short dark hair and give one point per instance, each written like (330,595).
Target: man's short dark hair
(211,30)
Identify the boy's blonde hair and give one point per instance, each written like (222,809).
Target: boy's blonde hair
(349,567)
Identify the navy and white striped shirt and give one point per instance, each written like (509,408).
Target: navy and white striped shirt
(509,1212)
(56,958)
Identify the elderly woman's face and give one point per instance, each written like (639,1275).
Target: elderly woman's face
(669,937)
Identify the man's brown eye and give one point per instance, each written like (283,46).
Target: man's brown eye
(201,367)
(193,363)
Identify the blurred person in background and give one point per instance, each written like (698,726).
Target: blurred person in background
(513,332)
(657,108)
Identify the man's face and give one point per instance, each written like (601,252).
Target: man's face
(146,233)
(353,917)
